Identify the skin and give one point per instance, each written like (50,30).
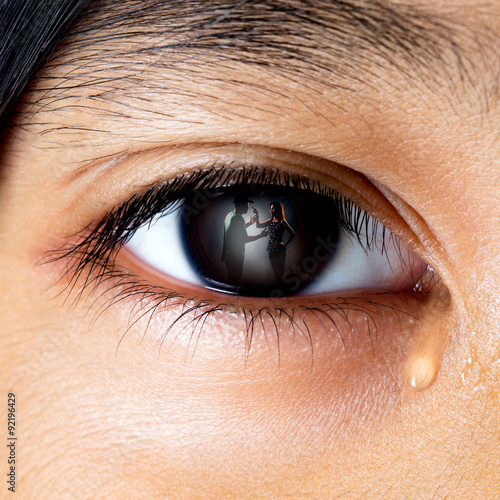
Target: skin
(101,414)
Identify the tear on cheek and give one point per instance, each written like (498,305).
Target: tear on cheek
(427,347)
(422,370)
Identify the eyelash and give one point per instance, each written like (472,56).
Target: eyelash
(93,257)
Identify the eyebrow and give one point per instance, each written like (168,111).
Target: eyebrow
(124,53)
(349,39)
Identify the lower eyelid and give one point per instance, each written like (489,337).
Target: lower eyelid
(407,302)
(344,325)
(352,341)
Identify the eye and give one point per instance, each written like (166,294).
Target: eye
(347,284)
(270,240)
(343,278)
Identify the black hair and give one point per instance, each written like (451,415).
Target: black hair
(279,212)
(29,31)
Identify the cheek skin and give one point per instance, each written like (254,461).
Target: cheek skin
(129,421)
(271,423)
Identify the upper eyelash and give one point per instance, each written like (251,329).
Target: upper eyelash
(98,244)
(121,223)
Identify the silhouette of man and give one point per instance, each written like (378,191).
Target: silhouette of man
(236,237)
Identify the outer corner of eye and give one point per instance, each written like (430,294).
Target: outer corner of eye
(265,240)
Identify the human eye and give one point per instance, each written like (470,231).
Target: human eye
(195,234)
(347,273)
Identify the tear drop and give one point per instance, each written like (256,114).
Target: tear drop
(422,371)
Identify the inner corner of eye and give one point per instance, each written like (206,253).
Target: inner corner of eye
(273,241)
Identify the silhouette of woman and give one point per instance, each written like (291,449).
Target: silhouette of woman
(277,225)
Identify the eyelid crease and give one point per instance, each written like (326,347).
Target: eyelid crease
(99,187)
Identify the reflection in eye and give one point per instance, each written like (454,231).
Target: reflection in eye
(273,241)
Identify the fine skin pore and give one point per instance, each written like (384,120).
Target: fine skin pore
(413,412)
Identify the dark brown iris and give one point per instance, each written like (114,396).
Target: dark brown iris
(259,240)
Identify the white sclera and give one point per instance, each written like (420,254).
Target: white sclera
(159,245)
(354,267)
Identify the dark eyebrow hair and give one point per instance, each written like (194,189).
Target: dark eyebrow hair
(345,37)
(343,44)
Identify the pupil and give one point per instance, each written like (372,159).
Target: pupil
(267,241)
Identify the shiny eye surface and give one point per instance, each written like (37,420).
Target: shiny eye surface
(273,241)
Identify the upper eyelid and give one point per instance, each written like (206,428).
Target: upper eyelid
(106,184)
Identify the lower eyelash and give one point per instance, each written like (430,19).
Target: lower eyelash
(151,301)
